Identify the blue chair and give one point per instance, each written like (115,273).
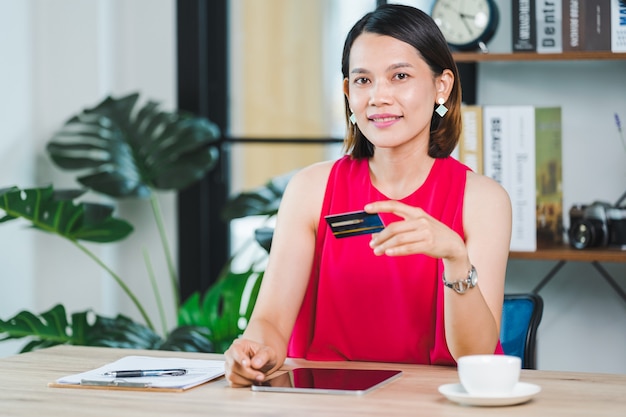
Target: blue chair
(521,315)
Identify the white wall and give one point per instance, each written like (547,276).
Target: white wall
(16,155)
(59,57)
(584,322)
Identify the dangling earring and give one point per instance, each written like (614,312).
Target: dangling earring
(441,109)
(352,118)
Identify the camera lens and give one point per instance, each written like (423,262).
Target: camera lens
(583,234)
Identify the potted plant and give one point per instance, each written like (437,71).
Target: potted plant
(125,152)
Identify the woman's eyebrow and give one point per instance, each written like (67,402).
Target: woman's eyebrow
(390,67)
(400,65)
(359,71)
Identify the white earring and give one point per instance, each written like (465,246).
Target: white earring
(441,109)
(352,118)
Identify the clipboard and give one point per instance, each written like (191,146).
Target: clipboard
(199,371)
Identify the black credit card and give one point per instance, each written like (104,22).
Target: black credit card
(354,223)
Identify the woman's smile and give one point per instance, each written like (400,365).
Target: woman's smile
(384,120)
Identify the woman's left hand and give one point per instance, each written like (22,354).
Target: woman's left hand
(418,233)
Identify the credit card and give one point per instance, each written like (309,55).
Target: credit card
(354,223)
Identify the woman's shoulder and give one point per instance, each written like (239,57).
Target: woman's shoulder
(308,185)
(304,195)
(313,174)
(485,190)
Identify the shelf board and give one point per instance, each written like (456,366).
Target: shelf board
(567,253)
(532,56)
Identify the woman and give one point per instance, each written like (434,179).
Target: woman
(385,297)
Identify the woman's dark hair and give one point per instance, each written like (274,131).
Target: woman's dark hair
(412,26)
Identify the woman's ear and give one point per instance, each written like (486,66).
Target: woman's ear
(444,84)
(346,90)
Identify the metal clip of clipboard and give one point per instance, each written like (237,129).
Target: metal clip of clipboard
(115,383)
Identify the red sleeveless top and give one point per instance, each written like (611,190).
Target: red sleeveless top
(363,307)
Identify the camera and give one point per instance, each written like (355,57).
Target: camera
(597,224)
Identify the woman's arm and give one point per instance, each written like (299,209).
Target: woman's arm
(472,320)
(263,347)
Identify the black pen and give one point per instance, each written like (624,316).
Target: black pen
(146,372)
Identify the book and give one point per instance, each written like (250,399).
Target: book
(618,25)
(549,27)
(597,31)
(573,24)
(522,178)
(509,158)
(549,175)
(470,147)
(196,372)
(495,143)
(523,25)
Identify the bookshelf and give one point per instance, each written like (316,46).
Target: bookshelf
(566,253)
(476,57)
(561,254)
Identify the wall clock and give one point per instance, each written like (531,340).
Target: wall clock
(466,24)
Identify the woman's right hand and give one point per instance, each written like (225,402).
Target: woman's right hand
(247,361)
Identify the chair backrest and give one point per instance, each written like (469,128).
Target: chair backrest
(521,315)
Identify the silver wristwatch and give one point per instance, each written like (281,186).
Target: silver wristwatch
(464,284)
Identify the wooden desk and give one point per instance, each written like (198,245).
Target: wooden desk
(24,392)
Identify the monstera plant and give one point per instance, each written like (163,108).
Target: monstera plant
(123,151)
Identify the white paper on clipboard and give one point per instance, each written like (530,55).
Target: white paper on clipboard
(198,372)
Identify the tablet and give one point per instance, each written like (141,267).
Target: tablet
(328,381)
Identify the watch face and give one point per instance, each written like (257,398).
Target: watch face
(465,23)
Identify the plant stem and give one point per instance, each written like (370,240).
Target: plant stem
(158,217)
(155,289)
(119,282)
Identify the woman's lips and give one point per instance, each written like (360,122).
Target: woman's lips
(384,120)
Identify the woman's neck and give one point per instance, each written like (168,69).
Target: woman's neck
(399,174)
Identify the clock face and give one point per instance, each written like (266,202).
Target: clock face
(465,23)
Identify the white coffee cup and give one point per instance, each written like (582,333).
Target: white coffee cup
(489,375)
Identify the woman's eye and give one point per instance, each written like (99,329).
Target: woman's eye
(360,80)
(402,76)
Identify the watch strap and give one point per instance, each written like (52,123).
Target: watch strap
(462,285)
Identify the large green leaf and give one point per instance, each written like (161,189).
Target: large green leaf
(225,309)
(261,201)
(51,326)
(88,329)
(126,153)
(189,339)
(120,332)
(56,212)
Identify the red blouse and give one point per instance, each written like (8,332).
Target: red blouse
(363,307)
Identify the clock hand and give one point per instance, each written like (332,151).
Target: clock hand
(467,26)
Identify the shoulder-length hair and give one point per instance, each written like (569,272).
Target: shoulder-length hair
(412,26)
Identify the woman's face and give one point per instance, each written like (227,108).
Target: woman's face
(391,90)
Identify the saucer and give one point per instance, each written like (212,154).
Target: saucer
(521,393)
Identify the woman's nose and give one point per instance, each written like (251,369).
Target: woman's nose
(380,93)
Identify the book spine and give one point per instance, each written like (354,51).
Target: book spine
(549,175)
(471,140)
(495,146)
(618,25)
(524,35)
(522,178)
(597,25)
(549,15)
(573,17)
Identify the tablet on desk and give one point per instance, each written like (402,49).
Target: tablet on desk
(328,381)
